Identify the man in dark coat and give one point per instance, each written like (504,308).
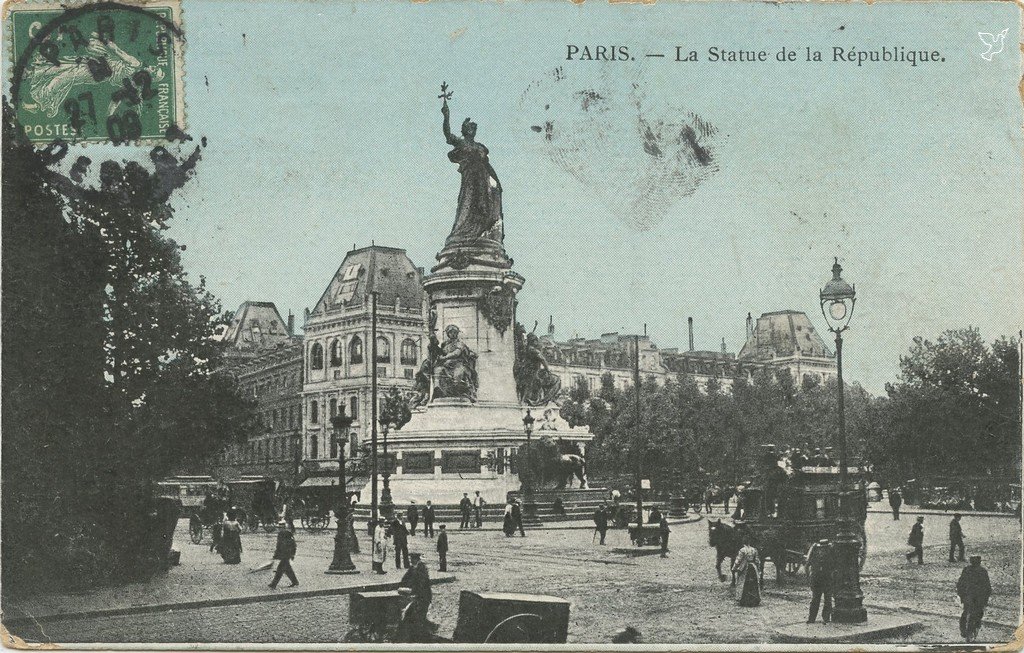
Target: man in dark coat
(655,516)
(465,506)
(428,520)
(284,553)
(400,538)
(478,509)
(601,520)
(956,538)
(821,567)
(895,501)
(973,588)
(517,517)
(663,527)
(916,540)
(413,515)
(414,627)
(442,549)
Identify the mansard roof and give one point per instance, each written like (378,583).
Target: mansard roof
(781,334)
(386,270)
(256,326)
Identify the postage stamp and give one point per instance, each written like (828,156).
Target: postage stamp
(512,325)
(98,72)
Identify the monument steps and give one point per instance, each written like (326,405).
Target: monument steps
(577,504)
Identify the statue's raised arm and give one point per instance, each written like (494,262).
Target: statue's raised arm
(478,217)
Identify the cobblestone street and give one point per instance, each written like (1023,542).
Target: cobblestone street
(677,599)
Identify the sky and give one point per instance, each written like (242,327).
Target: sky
(324,132)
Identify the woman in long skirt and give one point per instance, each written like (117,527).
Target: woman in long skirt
(508,523)
(747,567)
(231,540)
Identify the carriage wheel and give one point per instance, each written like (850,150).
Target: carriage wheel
(517,629)
(269,526)
(195,529)
(304,522)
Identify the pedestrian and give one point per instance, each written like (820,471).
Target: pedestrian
(508,524)
(601,520)
(230,547)
(288,514)
(726,497)
(973,588)
(655,515)
(664,530)
(284,553)
(414,628)
(747,567)
(895,501)
(400,539)
(465,505)
(916,540)
(428,520)
(413,515)
(821,569)
(478,508)
(956,538)
(379,548)
(517,517)
(709,494)
(442,548)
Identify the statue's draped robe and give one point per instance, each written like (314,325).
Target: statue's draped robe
(479,212)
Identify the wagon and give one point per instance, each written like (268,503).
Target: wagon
(785,517)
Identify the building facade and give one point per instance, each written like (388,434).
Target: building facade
(266,359)
(338,345)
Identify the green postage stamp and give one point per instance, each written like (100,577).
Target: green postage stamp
(104,72)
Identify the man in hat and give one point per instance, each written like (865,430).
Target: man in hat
(601,520)
(895,501)
(916,540)
(400,539)
(956,538)
(465,505)
(414,627)
(413,515)
(517,517)
(442,548)
(821,568)
(428,520)
(478,509)
(284,553)
(973,588)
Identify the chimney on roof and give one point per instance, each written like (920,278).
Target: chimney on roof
(291,323)
(305,315)
(689,322)
(551,326)
(750,325)
(645,329)
(723,346)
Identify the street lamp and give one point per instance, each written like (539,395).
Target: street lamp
(394,412)
(837,301)
(342,562)
(526,474)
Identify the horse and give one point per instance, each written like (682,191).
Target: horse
(726,541)
(570,465)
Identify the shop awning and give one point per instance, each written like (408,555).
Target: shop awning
(355,483)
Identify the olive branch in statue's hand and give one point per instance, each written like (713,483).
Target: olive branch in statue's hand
(444,97)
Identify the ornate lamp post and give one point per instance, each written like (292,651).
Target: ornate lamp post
(837,301)
(394,411)
(342,562)
(526,474)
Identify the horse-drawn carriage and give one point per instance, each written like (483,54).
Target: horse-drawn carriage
(784,516)
(256,492)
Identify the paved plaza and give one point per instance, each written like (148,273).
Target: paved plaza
(677,599)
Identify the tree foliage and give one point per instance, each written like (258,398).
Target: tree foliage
(108,379)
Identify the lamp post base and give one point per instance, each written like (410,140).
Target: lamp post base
(849,599)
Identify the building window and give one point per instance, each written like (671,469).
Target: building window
(355,350)
(383,350)
(382,371)
(410,373)
(353,407)
(316,357)
(314,412)
(334,447)
(336,353)
(334,406)
(408,353)
(313,453)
